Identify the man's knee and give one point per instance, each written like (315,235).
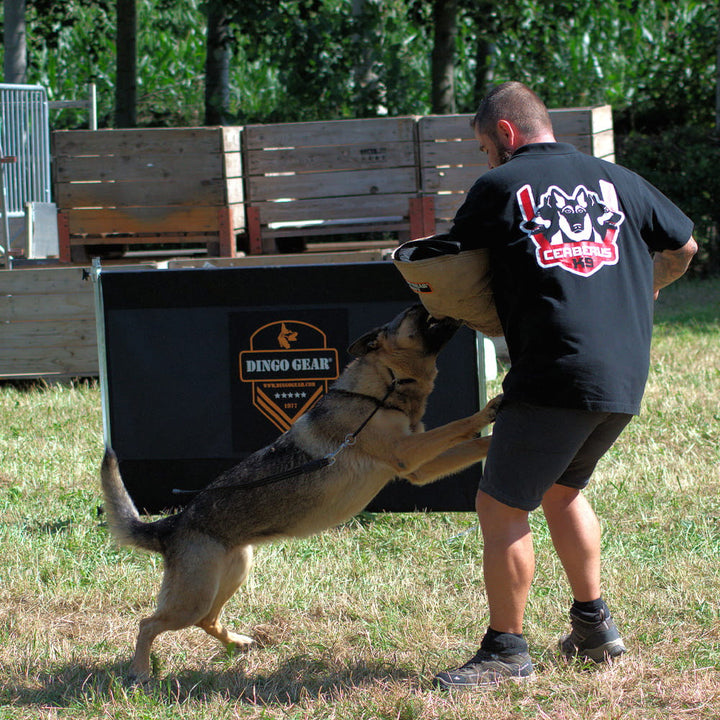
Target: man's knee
(491,511)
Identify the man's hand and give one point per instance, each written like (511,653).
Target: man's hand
(669,265)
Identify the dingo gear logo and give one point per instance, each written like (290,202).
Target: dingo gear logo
(289,366)
(577,232)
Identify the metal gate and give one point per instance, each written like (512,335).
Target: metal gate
(25,135)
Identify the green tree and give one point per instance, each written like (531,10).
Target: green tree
(15,58)
(217,64)
(443,56)
(126,64)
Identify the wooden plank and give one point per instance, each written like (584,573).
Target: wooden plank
(336,227)
(582,121)
(198,239)
(58,306)
(316,185)
(566,121)
(467,154)
(235,191)
(337,132)
(344,157)
(180,191)
(134,168)
(237,217)
(232,165)
(48,333)
(68,360)
(178,141)
(40,281)
(452,179)
(330,254)
(376,206)
(231,138)
(447,205)
(445,127)
(604,144)
(142,220)
(454,152)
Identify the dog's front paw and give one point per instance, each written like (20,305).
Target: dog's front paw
(491,409)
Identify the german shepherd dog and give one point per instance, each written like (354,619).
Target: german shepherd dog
(370,422)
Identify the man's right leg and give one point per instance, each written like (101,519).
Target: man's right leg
(508,568)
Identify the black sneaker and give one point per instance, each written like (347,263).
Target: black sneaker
(599,641)
(486,669)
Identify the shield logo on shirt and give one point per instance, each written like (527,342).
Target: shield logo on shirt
(575,231)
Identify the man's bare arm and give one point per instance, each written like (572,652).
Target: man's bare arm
(669,265)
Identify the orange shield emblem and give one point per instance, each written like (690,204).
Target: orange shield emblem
(289,366)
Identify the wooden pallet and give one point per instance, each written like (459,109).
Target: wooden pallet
(329,178)
(450,160)
(180,186)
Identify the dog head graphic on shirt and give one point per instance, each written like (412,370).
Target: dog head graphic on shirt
(576,231)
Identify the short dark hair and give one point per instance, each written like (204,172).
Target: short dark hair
(515,102)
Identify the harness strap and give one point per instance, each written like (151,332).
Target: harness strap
(322,462)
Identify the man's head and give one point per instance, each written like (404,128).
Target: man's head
(511,115)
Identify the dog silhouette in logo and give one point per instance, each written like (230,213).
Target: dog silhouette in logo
(579,217)
(286,337)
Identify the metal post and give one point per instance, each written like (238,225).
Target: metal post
(5,247)
(95,274)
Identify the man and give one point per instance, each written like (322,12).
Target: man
(579,248)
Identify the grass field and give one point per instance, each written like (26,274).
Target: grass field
(353,623)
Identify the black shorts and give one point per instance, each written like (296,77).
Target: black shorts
(535,447)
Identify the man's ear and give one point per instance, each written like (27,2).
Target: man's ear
(365,344)
(509,134)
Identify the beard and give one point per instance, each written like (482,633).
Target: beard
(504,154)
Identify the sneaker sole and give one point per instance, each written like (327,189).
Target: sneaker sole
(603,653)
(464,687)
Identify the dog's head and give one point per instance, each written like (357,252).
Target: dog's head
(414,333)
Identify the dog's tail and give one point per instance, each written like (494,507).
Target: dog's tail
(123,518)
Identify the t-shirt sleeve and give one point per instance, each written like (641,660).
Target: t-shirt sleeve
(665,226)
(481,218)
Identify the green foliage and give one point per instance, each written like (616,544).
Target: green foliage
(683,162)
(653,60)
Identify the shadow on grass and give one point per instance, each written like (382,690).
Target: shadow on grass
(297,678)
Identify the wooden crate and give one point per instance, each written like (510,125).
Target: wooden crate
(47,323)
(450,160)
(328,178)
(147,187)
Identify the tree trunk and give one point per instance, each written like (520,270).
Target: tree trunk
(717,78)
(217,65)
(126,65)
(443,56)
(15,61)
(484,68)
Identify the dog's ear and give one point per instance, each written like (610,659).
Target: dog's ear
(365,344)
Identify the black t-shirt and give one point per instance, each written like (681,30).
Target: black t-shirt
(570,239)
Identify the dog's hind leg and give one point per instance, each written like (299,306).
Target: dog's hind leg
(193,574)
(235,572)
